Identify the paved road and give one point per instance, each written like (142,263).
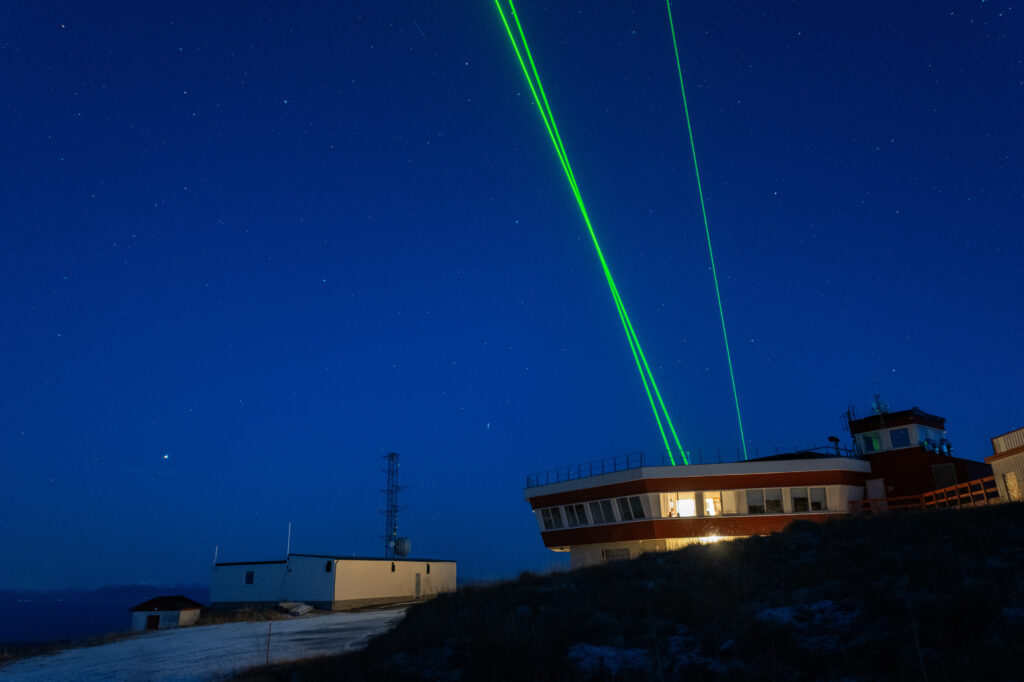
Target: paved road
(202,653)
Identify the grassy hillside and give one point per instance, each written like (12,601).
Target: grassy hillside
(913,596)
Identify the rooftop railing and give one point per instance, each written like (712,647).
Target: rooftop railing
(636,460)
(632,460)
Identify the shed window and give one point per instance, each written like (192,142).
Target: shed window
(249,578)
(428,569)
(327,567)
(392,566)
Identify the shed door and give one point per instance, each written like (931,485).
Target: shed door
(417,585)
(152,622)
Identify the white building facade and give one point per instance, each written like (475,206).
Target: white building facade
(329,583)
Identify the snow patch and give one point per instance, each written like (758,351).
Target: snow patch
(610,660)
(204,652)
(821,625)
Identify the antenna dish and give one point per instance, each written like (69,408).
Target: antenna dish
(402,547)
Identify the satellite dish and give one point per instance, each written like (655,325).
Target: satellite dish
(402,546)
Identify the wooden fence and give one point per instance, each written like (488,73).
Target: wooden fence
(977,493)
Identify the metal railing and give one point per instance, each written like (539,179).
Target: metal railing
(632,460)
(636,460)
(977,493)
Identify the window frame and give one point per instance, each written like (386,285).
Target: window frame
(576,515)
(551,518)
(769,504)
(824,497)
(904,438)
(806,499)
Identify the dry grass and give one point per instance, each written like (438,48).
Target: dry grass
(914,596)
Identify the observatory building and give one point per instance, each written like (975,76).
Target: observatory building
(625,506)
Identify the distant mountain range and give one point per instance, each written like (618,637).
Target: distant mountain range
(64,615)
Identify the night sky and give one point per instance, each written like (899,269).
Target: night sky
(249,248)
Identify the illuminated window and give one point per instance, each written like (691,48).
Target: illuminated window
(800,500)
(552,518)
(249,578)
(681,504)
(713,504)
(818,499)
(755,502)
(900,438)
(576,515)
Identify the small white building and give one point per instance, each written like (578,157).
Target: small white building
(330,583)
(165,613)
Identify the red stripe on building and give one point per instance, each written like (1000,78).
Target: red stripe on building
(656,529)
(787,479)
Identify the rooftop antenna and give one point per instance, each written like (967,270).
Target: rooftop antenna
(391,491)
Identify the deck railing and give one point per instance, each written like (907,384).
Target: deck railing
(977,493)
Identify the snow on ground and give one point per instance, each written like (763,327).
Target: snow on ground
(202,653)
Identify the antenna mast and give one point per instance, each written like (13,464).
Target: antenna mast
(390,512)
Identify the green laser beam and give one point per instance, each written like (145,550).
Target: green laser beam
(638,356)
(707,230)
(630,332)
(547,116)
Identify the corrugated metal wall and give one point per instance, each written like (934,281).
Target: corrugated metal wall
(1009,467)
(1013,439)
